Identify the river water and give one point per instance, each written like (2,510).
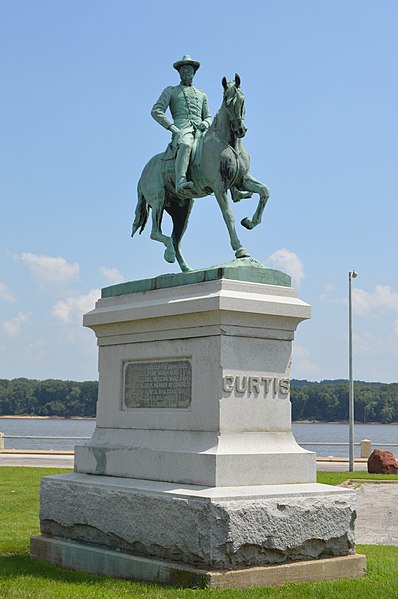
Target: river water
(383,436)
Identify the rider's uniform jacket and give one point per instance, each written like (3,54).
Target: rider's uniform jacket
(188,107)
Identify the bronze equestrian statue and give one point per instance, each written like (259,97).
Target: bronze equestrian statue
(218,163)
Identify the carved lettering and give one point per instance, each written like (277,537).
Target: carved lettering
(256,386)
(284,386)
(240,386)
(228,383)
(267,381)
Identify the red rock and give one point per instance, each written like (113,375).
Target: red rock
(382,462)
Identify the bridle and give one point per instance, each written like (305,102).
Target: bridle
(235,106)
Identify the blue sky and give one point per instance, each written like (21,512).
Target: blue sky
(78,82)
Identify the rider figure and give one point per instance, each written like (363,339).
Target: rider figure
(190,112)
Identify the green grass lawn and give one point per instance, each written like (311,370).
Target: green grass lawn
(335,478)
(21,578)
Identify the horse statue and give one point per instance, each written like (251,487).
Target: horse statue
(220,164)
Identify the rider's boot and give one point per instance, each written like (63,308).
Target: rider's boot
(182,162)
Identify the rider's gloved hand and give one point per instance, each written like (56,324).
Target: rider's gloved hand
(202,127)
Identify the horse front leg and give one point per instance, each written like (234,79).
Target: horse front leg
(222,199)
(156,232)
(251,184)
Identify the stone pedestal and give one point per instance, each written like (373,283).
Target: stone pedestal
(194,386)
(194,437)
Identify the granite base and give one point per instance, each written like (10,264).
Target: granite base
(211,528)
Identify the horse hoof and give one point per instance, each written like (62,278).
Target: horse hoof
(170,255)
(185,268)
(242,253)
(247,223)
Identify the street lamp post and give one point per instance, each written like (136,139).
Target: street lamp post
(351,275)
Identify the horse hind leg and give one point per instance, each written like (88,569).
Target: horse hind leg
(156,232)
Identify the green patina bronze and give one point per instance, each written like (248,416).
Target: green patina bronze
(244,269)
(202,158)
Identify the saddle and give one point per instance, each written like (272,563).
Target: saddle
(196,152)
(194,172)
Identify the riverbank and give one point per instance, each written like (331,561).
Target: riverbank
(326,439)
(27,417)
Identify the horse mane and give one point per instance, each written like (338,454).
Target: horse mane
(213,125)
(227,86)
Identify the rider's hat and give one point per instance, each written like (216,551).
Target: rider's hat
(186,59)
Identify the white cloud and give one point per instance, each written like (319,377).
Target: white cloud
(366,343)
(375,334)
(289,262)
(302,362)
(71,309)
(112,274)
(365,302)
(79,336)
(6,293)
(49,269)
(13,327)
(325,295)
(35,351)
(369,343)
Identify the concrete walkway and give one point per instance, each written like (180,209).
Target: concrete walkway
(37,460)
(377,514)
(64,459)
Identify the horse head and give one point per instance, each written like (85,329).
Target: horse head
(234,102)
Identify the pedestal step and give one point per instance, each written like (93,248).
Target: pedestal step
(76,556)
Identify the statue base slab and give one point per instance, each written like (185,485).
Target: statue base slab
(242,269)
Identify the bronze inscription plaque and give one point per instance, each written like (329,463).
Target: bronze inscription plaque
(158,384)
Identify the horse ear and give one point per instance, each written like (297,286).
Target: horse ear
(237,80)
(224,83)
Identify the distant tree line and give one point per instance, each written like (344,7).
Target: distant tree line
(328,401)
(324,401)
(25,397)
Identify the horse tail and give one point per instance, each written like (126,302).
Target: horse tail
(141,212)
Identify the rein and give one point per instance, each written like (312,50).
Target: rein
(214,129)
